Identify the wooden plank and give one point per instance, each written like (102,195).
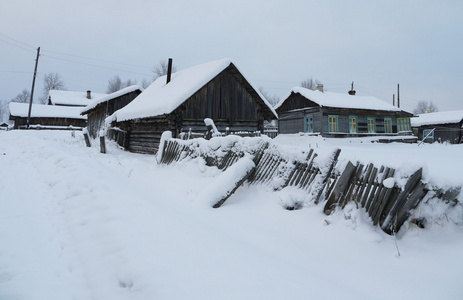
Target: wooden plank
(340,188)
(389,224)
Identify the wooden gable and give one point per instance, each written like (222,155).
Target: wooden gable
(296,101)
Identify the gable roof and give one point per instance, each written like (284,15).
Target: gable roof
(338,100)
(108,97)
(444,117)
(70,98)
(161,98)
(45,111)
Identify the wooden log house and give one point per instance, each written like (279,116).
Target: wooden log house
(46,116)
(215,90)
(99,109)
(446,126)
(339,115)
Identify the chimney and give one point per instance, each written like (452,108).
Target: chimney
(89,94)
(320,87)
(352,91)
(169,70)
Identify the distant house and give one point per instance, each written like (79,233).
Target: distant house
(339,115)
(71,98)
(446,126)
(46,116)
(99,109)
(4,126)
(215,90)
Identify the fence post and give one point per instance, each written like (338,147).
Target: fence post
(102,144)
(87,139)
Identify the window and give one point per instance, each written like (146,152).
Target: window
(308,124)
(332,123)
(387,125)
(371,123)
(403,124)
(429,135)
(352,124)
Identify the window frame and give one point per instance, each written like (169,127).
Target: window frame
(356,124)
(371,127)
(335,118)
(425,133)
(308,120)
(388,127)
(403,124)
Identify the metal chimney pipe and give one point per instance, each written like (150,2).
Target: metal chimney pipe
(169,70)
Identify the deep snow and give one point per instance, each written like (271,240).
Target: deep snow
(77,224)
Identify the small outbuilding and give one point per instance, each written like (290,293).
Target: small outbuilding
(339,115)
(46,116)
(446,126)
(216,90)
(99,109)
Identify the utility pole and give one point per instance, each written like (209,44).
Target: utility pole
(398,96)
(33,85)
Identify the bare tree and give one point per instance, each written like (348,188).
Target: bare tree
(51,81)
(161,69)
(116,84)
(310,84)
(3,110)
(424,107)
(273,99)
(145,83)
(23,97)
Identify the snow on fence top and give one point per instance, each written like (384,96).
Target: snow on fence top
(329,99)
(387,196)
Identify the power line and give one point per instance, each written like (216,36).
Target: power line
(96,59)
(30,48)
(93,65)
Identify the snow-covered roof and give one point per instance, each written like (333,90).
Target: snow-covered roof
(329,99)
(94,102)
(444,117)
(70,98)
(45,111)
(161,98)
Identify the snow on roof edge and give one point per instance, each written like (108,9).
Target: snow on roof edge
(161,98)
(443,117)
(111,96)
(338,100)
(45,111)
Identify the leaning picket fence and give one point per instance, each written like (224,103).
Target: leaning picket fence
(371,187)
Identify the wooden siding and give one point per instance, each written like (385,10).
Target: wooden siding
(20,122)
(295,101)
(452,133)
(228,99)
(98,114)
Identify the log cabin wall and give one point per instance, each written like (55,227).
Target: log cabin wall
(20,122)
(97,115)
(451,133)
(228,99)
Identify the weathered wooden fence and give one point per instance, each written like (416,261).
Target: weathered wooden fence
(370,187)
(373,189)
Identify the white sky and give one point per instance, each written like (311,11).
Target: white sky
(277,44)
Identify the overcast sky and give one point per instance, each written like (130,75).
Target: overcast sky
(276,44)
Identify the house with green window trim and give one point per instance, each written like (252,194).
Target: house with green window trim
(339,115)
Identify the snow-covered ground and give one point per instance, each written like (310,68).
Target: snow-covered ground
(77,224)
